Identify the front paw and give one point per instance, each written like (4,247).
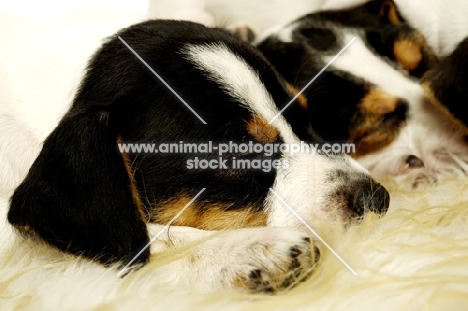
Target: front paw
(276,259)
(287,274)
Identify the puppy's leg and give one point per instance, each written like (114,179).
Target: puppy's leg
(266,259)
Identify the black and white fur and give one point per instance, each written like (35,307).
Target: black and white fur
(433,138)
(413,127)
(84,197)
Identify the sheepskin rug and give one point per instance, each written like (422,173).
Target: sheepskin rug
(413,258)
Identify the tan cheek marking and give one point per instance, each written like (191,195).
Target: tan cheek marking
(301,98)
(412,49)
(261,131)
(361,135)
(374,141)
(370,135)
(379,101)
(208,217)
(132,185)
(389,10)
(408,53)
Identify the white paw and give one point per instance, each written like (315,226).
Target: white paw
(266,259)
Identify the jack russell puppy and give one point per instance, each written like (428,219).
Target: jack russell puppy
(168,82)
(370,95)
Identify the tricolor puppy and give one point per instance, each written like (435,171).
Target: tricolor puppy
(370,94)
(361,97)
(85,197)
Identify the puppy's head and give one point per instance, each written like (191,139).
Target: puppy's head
(362,96)
(86,196)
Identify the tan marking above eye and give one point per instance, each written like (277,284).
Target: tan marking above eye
(261,131)
(374,141)
(379,102)
(301,98)
(208,217)
(371,134)
(389,10)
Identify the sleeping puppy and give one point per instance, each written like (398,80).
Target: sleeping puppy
(350,101)
(369,95)
(86,197)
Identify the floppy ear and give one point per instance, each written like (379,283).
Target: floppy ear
(79,195)
(389,12)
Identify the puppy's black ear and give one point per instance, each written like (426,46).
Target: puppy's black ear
(79,194)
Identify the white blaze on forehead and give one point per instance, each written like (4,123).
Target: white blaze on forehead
(362,62)
(303,183)
(240,81)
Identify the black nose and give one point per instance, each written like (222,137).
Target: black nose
(414,162)
(371,196)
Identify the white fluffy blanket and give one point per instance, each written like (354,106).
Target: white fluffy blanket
(413,258)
